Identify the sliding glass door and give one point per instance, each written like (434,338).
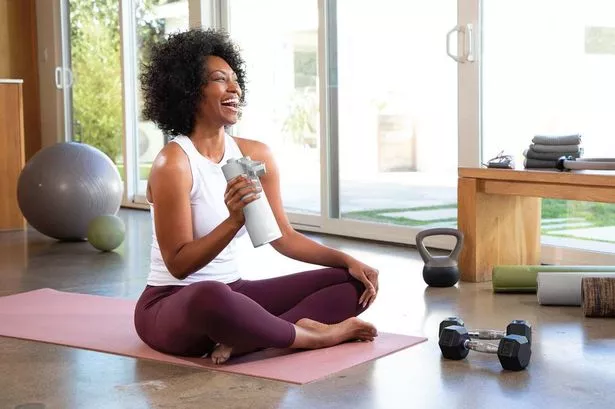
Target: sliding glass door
(552,77)
(103,44)
(369,109)
(360,106)
(90,75)
(397,105)
(145,22)
(283,92)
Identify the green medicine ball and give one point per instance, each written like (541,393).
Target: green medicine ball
(106,232)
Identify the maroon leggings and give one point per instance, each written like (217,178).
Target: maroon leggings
(248,314)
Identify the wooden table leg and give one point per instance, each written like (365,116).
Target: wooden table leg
(498,229)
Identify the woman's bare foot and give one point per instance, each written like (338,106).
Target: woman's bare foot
(318,335)
(311,334)
(311,324)
(221,353)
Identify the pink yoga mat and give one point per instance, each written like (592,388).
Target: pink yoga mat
(105,324)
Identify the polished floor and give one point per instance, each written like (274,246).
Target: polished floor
(573,358)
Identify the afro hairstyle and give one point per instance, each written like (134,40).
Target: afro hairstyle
(173,76)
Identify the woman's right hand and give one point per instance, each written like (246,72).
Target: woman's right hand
(239,192)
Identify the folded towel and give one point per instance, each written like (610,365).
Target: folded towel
(532,154)
(539,164)
(557,139)
(537,147)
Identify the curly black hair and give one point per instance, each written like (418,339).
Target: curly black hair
(172,79)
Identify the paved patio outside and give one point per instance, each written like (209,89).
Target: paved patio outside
(392,196)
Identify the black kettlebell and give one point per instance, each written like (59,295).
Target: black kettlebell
(440,271)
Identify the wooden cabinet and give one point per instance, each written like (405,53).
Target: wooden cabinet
(12,155)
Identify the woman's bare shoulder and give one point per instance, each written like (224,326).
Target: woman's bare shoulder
(171,157)
(257,150)
(170,170)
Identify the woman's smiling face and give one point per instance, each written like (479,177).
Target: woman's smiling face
(221,93)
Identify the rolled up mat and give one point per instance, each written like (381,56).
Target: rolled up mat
(598,294)
(522,279)
(555,288)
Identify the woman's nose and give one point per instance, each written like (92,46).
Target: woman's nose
(233,86)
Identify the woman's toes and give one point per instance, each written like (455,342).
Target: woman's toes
(221,354)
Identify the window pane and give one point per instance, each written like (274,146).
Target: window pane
(552,76)
(282,92)
(155,19)
(97,76)
(397,112)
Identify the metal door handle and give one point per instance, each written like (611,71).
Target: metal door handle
(59,78)
(468,43)
(455,29)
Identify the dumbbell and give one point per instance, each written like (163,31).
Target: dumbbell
(513,351)
(515,327)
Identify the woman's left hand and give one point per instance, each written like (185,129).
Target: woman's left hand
(369,277)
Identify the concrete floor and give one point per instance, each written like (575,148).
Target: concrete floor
(573,358)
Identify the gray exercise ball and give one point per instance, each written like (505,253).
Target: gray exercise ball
(63,187)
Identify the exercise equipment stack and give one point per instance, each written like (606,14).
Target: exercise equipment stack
(545,150)
(524,278)
(514,349)
(589,287)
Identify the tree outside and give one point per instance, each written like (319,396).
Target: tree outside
(96,64)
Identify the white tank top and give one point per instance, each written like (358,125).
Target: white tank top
(208,211)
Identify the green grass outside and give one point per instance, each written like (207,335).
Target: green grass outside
(143,171)
(592,213)
(375,215)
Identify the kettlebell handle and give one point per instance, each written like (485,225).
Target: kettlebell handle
(440,231)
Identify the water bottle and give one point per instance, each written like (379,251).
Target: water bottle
(260,221)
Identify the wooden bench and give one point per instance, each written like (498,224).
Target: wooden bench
(499,212)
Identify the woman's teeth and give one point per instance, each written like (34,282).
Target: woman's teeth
(231,104)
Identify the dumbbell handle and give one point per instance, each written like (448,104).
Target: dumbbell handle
(487,334)
(480,346)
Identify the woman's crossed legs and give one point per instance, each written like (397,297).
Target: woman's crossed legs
(311,309)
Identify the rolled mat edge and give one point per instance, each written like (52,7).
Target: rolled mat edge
(564,288)
(523,278)
(598,297)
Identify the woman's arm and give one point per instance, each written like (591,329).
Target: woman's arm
(294,244)
(169,188)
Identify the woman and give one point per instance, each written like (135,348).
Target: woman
(195,302)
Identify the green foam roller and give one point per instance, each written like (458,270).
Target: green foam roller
(522,279)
